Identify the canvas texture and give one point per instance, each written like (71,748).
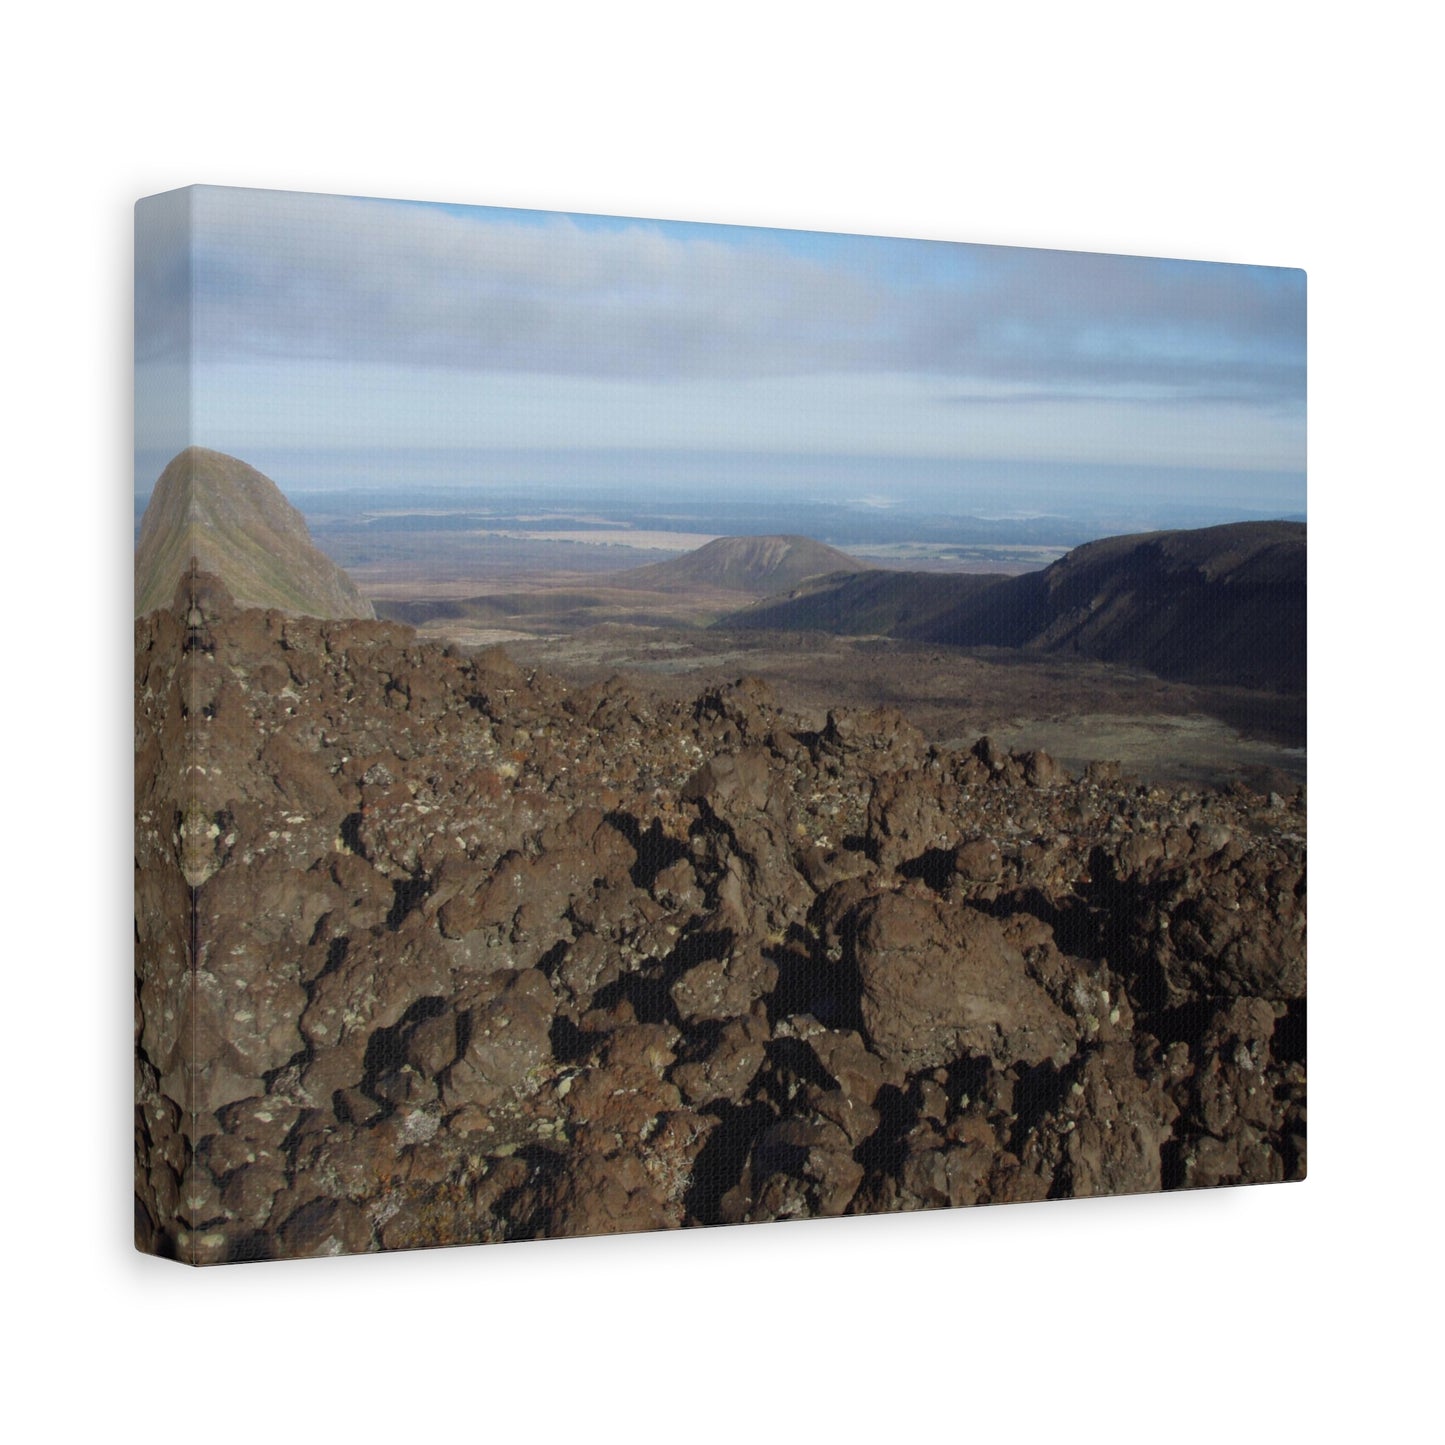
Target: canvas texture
(643,725)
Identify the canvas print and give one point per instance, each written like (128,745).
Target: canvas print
(643,725)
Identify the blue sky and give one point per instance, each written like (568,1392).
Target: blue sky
(320,323)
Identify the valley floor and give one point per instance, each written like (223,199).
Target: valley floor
(1080,711)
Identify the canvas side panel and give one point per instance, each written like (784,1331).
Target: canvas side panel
(164,945)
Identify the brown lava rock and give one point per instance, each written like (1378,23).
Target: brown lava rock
(940,980)
(432,949)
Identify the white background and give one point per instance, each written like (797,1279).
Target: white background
(1261,133)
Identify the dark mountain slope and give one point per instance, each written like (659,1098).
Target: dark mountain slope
(896,604)
(1219,605)
(236,523)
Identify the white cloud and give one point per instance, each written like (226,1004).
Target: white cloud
(323,320)
(281,274)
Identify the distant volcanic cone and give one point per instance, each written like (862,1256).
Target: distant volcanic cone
(764,566)
(236,524)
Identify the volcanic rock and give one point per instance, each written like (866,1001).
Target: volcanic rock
(763,565)
(941,980)
(430,949)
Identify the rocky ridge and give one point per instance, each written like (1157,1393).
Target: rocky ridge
(1216,605)
(433,950)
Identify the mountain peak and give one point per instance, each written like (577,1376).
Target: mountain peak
(760,565)
(235,523)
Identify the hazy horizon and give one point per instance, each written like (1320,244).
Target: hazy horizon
(344,343)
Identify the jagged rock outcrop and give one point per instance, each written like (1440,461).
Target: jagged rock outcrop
(431,949)
(941,979)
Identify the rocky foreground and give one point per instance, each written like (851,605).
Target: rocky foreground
(432,951)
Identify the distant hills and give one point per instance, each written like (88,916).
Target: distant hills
(763,566)
(1214,606)
(1218,605)
(236,523)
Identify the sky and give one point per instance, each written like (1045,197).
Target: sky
(274,324)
